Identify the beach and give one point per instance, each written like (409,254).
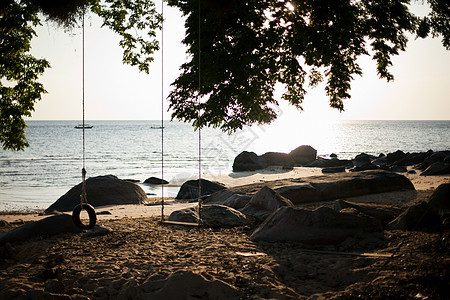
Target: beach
(141,258)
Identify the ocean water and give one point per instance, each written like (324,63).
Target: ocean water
(38,176)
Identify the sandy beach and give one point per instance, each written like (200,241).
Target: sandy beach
(141,259)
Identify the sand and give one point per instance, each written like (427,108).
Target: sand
(139,251)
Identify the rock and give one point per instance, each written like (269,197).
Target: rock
(331,186)
(333,170)
(323,226)
(276,159)
(247,161)
(190,189)
(155,180)
(4,223)
(330,163)
(60,223)
(213,215)
(364,168)
(440,199)
(383,213)
(437,168)
(393,157)
(264,203)
(101,190)
(303,155)
(333,155)
(180,285)
(380,161)
(97,231)
(411,159)
(417,217)
(398,169)
(362,160)
(228,198)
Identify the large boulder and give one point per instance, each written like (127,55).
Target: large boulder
(437,168)
(101,190)
(303,155)
(228,197)
(190,189)
(155,180)
(395,156)
(180,285)
(264,203)
(440,199)
(211,215)
(362,160)
(276,159)
(383,213)
(417,217)
(60,223)
(344,185)
(321,226)
(247,161)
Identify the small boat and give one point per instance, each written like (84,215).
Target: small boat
(86,126)
(157,127)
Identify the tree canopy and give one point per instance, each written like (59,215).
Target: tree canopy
(136,21)
(238,51)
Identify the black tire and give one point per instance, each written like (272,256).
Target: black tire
(76,216)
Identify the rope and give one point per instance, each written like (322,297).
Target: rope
(162,111)
(83,170)
(200,201)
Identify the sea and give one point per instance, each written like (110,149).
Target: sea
(35,178)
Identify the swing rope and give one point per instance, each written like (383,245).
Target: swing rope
(83,198)
(83,170)
(162,111)
(200,201)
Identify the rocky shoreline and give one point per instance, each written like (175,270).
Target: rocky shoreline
(372,234)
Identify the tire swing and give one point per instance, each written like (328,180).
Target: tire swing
(83,199)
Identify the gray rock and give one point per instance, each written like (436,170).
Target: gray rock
(213,215)
(247,161)
(417,217)
(180,285)
(437,168)
(264,203)
(155,180)
(333,170)
(303,155)
(321,226)
(383,213)
(276,159)
(190,189)
(101,190)
(411,159)
(331,163)
(398,169)
(60,223)
(395,156)
(362,160)
(440,199)
(345,185)
(228,197)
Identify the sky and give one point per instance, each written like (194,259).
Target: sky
(113,91)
